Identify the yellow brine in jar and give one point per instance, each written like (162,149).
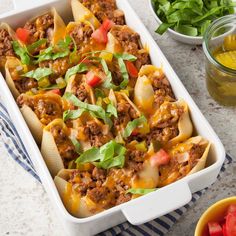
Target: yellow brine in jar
(221,80)
(219,47)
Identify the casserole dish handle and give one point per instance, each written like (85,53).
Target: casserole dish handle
(158,203)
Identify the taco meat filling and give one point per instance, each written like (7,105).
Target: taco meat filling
(40,28)
(78,88)
(64,144)
(58,66)
(25,84)
(162,89)
(94,185)
(130,41)
(103,9)
(181,164)
(126,113)
(81,34)
(167,115)
(45,108)
(96,135)
(6,48)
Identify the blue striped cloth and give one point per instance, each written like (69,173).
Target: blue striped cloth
(14,146)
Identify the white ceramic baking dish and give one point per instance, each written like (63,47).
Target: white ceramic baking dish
(145,208)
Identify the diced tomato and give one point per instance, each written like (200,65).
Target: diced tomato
(85,61)
(92,79)
(132,70)
(107,24)
(224,230)
(160,158)
(231,224)
(56,91)
(215,229)
(100,35)
(23,34)
(134,132)
(232,209)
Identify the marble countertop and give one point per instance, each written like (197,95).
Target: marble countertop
(24,205)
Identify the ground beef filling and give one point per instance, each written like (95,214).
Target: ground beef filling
(81,34)
(64,144)
(103,9)
(130,41)
(126,113)
(6,48)
(169,114)
(162,90)
(40,28)
(79,90)
(163,135)
(58,66)
(25,84)
(95,135)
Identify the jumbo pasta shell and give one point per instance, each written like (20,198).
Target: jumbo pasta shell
(81,13)
(75,81)
(144,94)
(33,121)
(12,63)
(49,148)
(185,127)
(125,97)
(202,162)
(59,27)
(113,45)
(147,178)
(76,205)
(117,29)
(35,126)
(190,156)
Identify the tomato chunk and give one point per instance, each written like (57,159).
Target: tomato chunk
(224,230)
(56,91)
(231,224)
(84,61)
(132,70)
(160,158)
(134,132)
(100,35)
(23,35)
(215,229)
(107,24)
(232,209)
(92,79)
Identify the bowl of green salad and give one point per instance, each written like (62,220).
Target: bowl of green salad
(187,20)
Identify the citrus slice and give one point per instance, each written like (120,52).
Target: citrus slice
(227,59)
(230,42)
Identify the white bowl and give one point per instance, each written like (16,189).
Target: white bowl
(193,40)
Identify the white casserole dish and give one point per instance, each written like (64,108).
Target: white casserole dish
(145,208)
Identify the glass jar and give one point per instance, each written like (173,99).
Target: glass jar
(220,80)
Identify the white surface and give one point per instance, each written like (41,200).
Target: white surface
(18,229)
